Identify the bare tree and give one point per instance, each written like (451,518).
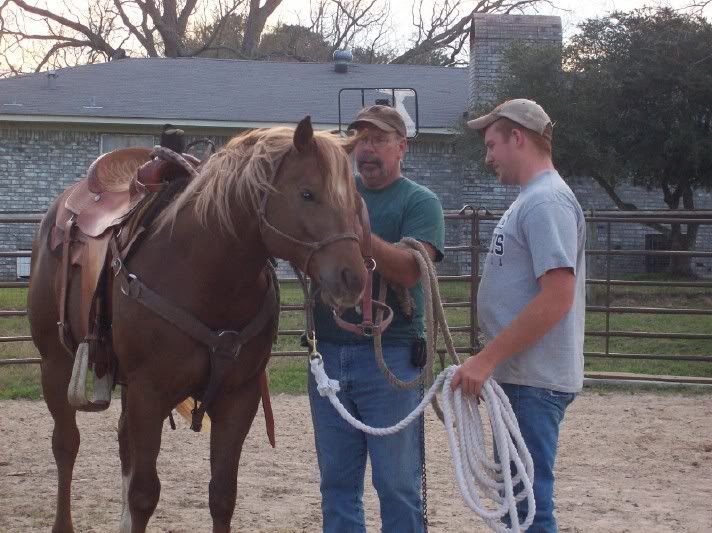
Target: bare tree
(35,32)
(31,33)
(255,24)
(697,7)
(352,23)
(445,31)
(154,27)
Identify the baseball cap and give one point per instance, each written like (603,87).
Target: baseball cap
(383,117)
(525,112)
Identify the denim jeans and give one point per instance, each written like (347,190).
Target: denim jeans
(539,413)
(342,450)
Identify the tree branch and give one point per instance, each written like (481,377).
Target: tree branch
(626,206)
(445,27)
(97,41)
(216,31)
(145,40)
(57,47)
(185,14)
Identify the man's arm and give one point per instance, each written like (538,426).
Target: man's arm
(397,264)
(540,315)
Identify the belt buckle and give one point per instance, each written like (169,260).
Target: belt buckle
(126,288)
(367,330)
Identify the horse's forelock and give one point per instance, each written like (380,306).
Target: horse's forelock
(245,167)
(334,161)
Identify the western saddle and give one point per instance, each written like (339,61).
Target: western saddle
(98,220)
(90,213)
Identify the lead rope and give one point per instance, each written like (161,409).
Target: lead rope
(475,472)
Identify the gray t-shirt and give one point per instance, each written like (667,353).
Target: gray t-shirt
(543,229)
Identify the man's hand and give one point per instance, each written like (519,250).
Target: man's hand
(472,374)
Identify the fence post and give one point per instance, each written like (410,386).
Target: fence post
(595,294)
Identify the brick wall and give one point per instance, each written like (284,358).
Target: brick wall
(35,166)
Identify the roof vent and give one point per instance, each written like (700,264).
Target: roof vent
(342,59)
(118,54)
(51,79)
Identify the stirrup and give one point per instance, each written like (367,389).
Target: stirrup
(77,392)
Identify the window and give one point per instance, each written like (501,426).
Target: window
(111,141)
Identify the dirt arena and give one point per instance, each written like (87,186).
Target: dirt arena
(627,462)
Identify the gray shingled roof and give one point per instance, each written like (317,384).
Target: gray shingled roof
(226,90)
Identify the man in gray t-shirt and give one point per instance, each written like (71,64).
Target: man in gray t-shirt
(531,299)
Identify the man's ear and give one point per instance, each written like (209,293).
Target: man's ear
(403,145)
(517,136)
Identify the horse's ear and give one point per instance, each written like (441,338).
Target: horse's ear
(304,134)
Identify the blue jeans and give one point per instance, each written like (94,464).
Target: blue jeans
(539,413)
(341,449)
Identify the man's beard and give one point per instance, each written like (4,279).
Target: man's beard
(374,163)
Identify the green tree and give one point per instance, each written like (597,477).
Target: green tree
(632,104)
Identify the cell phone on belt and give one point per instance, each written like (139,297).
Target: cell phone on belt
(419,353)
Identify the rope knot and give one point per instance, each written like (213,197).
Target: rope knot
(325,385)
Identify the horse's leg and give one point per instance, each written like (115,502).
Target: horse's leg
(124,455)
(56,373)
(144,420)
(231,416)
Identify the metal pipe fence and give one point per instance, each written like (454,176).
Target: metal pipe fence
(642,218)
(474,218)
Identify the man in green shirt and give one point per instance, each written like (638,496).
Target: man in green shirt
(398,208)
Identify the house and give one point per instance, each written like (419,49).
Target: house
(54,124)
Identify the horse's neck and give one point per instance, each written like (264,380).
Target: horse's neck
(235,260)
(209,271)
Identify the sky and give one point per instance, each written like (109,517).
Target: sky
(571,11)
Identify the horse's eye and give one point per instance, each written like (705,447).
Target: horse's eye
(307,195)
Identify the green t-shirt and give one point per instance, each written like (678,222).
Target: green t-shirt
(403,209)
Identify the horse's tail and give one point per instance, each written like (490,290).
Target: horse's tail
(185,409)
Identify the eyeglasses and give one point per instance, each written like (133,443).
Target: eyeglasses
(377,141)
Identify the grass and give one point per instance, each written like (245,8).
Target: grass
(288,374)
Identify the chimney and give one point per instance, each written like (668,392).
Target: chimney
(490,38)
(52,79)
(342,59)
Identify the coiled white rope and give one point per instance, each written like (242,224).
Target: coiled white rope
(474,471)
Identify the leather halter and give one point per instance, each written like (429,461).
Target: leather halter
(367,327)
(311,246)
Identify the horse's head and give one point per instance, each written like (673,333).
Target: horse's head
(310,217)
(300,185)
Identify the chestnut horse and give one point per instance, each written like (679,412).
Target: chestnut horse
(271,192)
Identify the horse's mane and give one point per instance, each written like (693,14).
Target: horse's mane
(244,168)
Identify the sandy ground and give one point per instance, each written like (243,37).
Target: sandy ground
(627,463)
